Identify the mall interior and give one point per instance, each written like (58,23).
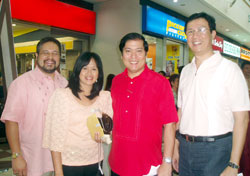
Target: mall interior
(98,26)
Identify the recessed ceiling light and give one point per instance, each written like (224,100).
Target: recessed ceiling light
(236,35)
(227,30)
(13,24)
(175,0)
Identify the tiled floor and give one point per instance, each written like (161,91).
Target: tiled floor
(5,160)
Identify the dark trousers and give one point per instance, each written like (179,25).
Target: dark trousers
(88,170)
(204,158)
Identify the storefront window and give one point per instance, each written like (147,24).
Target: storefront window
(26,37)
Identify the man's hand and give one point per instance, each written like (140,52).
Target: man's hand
(19,166)
(229,172)
(176,156)
(165,169)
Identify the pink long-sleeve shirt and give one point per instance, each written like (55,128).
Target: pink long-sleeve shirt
(26,104)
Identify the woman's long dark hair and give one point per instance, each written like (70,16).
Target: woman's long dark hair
(74,80)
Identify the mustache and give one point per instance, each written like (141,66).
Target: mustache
(54,62)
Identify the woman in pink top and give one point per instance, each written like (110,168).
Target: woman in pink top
(73,150)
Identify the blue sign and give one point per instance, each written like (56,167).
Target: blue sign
(158,22)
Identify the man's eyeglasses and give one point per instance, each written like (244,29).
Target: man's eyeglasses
(199,31)
(46,53)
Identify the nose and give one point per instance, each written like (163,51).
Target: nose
(133,55)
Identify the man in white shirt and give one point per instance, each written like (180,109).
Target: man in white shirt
(213,103)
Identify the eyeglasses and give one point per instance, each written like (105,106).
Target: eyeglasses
(199,31)
(46,53)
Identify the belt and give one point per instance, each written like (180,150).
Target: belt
(204,138)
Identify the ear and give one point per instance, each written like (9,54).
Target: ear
(36,55)
(213,34)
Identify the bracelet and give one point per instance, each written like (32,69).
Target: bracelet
(232,165)
(15,155)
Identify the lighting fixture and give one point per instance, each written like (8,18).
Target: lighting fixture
(13,24)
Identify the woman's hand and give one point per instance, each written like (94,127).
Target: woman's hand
(98,138)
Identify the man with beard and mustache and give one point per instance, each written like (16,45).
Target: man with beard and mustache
(25,110)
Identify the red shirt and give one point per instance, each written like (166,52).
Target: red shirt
(141,106)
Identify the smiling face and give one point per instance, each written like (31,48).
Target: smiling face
(48,58)
(89,74)
(199,37)
(134,57)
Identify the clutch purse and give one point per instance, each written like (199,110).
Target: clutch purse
(94,126)
(103,126)
(106,123)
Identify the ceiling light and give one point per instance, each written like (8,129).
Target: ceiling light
(236,35)
(175,1)
(227,30)
(13,24)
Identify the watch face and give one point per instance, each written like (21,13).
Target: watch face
(168,160)
(15,155)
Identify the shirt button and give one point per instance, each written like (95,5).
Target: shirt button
(131,82)
(128,96)
(126,111)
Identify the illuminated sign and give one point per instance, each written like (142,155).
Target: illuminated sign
(54,13)
(245,54)
(158,22)
(231,49)
(218,44)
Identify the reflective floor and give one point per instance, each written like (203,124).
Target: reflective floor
(5,160)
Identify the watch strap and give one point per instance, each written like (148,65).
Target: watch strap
(233,165)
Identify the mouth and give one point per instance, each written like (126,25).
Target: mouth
(196,43)
(133,62)
(89,78)
(49,62)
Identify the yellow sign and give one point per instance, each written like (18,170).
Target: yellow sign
(175,28)
(245,54)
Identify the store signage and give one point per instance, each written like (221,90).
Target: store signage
(54,13)
(231,49)
(218,44)
(160,23)
(245,54)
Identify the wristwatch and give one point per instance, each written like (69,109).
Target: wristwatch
(15,155)
(232,165)
(167,160)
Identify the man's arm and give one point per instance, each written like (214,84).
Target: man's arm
(57,162)
(19,165)
(176,146)
(241,120)
(169,139)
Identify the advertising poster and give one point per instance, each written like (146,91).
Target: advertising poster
(173,56)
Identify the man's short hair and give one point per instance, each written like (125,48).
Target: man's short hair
(133,36)
(45,40)
(205,16)
(244,64)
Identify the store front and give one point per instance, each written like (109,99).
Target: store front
(167,40)
(33,21)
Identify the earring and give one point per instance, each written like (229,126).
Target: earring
(96,81)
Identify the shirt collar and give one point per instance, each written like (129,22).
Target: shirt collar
(141,76)
(213,60)
(40,76)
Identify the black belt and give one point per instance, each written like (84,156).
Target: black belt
(204,138)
